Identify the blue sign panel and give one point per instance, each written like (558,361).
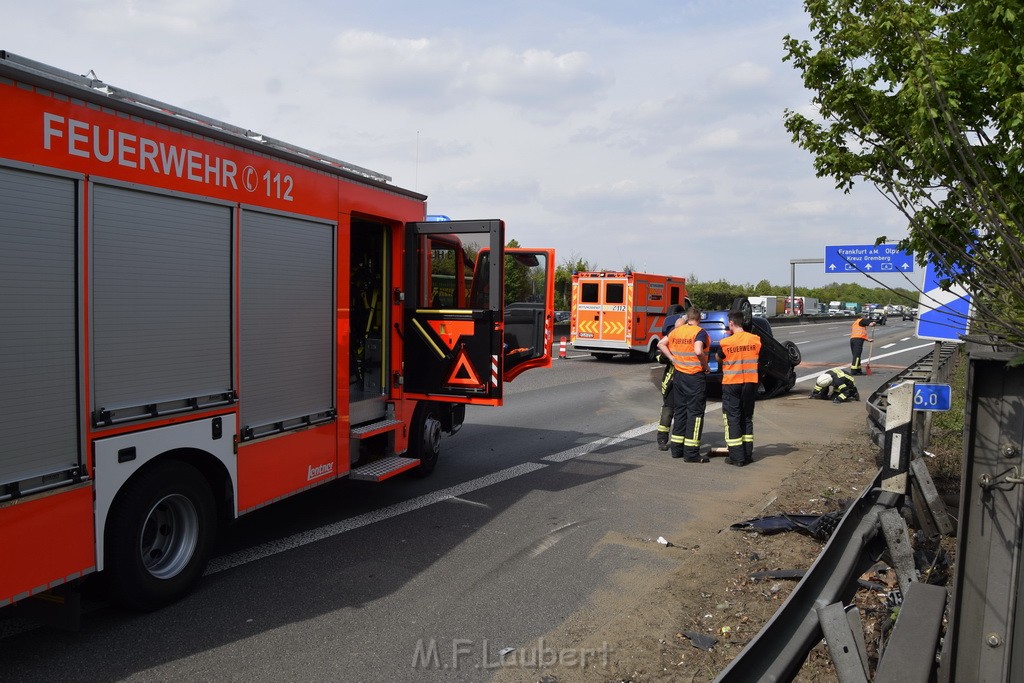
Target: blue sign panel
(867,258)
(942,315)
(932,397)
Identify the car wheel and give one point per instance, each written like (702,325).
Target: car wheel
(742,304)
(793,351)
(791,382)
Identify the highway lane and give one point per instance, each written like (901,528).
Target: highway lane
(532,516)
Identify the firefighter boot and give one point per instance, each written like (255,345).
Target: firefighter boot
(662,441)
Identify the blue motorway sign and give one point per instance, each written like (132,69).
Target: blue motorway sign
(867,258)
(942,314)
(932,396)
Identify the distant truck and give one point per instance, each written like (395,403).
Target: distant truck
(805,305)
(835,307)
(767,306)
(615,312)
(852,307)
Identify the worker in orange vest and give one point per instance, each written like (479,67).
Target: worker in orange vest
(858,335)
(687,346)
(738,355)
(668,408)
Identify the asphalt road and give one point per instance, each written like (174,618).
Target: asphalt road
(539,511)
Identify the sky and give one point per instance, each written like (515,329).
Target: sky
(646,134)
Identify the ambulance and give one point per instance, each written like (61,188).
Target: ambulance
(622,312)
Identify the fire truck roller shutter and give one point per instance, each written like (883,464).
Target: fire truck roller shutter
(161,301)
(287,343)
(39,389)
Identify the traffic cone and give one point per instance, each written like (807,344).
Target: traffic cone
(561,349)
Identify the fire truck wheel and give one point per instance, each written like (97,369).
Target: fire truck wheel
(160,532)
(426,438)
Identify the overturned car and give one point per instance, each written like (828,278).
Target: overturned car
(777,362)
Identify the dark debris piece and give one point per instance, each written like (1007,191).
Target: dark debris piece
(817,526)
(701,640)
(796,574)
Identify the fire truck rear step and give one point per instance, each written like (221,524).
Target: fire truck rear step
(375,428)
(385,468)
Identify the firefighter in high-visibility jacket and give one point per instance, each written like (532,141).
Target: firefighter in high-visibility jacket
(668,407)
(738,355)
(687,345)
(858,335)
(837,385)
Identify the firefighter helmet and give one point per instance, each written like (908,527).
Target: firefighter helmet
(824,379)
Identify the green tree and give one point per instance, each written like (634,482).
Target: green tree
(924,99)
(563,279)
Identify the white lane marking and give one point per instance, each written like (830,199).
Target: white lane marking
(300,539)
(904,339)
(600,443)
(469,502)
(884,355)
(889,346)
(806,341)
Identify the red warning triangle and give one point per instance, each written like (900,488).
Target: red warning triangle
(462,374)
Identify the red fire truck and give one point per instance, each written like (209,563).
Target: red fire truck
(199,321)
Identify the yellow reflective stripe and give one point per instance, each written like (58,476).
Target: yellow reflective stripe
(423,333)
(677,439)
(662,428)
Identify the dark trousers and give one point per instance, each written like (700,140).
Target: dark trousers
(688,419)
(857,348)
(738,418)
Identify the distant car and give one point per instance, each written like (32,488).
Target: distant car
(878,317)
(561,317)
(908,313)
(777,362)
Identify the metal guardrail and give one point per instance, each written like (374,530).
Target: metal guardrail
(781,646)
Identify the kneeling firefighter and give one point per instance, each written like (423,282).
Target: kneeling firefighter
(837,385)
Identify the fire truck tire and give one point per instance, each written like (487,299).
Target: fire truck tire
(426,438)
(159,536)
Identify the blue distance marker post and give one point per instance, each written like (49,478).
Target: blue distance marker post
(934,397)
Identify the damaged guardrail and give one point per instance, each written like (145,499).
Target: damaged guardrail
(870,528)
